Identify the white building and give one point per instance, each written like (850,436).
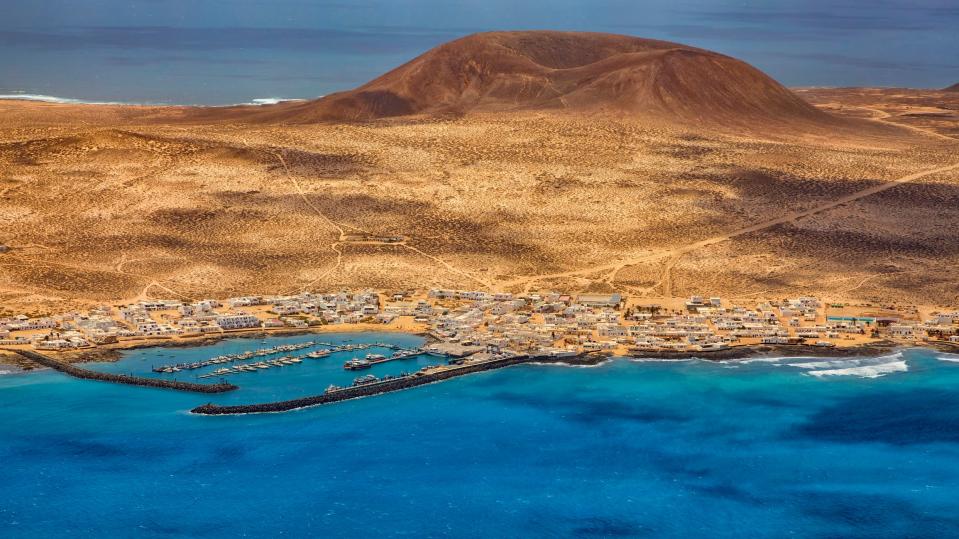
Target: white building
(237,321)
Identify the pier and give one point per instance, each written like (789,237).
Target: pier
(229,358)
(256,366)
(264,352)
(365,390)
(87,374)
(357,364)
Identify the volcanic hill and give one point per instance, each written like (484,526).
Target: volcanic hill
(575,71)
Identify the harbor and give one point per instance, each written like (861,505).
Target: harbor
(229,358)
(365,387)
(370,360)
(269,362)
(242,358)
(86,374)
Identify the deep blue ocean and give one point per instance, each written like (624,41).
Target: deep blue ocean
(794,447)
(217,52)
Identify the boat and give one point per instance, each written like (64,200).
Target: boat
(375,357)
(357,364)
(364,380)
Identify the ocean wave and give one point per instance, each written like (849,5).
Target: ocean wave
(865,371)
(945,356)
(658,360)
(564,364)
(869,367)
(271,100)
(62,100)
(775,359)
(71,101)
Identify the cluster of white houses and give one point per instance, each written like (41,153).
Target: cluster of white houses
(543,323)
(560,323)
(172,318)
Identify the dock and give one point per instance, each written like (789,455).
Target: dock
(357,364)
(229,358)
(86,374)
(364,390)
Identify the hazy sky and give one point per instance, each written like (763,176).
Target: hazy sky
(227,51)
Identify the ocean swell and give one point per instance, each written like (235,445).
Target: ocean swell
(41,98)
(53,99)
(869,367)
(951,358)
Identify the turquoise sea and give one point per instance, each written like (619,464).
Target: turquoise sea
(792,447)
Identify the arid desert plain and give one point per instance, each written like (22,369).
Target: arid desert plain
(110,202)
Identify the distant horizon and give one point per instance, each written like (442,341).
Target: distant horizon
(222,53)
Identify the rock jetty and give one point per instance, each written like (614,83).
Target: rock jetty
(87,374)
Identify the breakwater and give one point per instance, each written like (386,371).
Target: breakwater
(87,374)
(366,390)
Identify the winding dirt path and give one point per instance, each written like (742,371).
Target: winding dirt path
(678,251)
(884,117)
(342,238)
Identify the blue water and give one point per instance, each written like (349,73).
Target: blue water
(233,51)
(626,449)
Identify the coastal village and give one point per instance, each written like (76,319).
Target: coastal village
(461,323)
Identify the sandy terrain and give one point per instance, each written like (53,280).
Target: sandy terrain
(100,203)
(107,207)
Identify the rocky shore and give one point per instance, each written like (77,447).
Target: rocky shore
(86,374)
(769,350)
(114,352)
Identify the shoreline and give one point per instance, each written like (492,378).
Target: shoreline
(114,352)
(584,359)
(389,385)
(75,101)
(751,351)
(86,374)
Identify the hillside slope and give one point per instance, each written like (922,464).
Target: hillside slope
(546,70)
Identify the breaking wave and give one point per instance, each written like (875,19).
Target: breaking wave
(70,101)
(658,360)
(570,365)
(868,367)
(270,100)
(54,99)
(951,358)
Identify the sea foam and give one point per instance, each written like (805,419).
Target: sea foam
(71,101)
(53,99)
(869,367)
(270,100)
(951,358)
